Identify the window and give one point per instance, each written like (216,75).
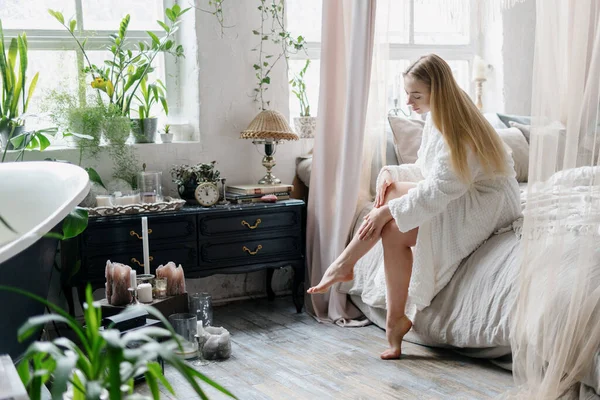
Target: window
(416,27)
(53,52)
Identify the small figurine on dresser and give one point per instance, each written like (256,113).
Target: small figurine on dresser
(175,278)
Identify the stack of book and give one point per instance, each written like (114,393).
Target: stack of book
(241,194)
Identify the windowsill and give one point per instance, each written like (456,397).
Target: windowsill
(57,148)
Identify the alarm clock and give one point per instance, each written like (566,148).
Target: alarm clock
(207,194)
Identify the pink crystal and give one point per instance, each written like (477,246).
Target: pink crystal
(175,278)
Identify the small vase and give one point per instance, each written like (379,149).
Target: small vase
(5,134)
(144,130)
(305,127)
(187,191)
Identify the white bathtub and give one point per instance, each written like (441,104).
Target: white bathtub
(34,197)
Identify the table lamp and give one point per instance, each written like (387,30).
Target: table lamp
(269,128)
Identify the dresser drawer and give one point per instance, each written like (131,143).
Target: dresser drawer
(244,222)
(162,230)
(222,253)
(184,254)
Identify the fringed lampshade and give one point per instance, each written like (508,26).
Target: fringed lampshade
(269,128)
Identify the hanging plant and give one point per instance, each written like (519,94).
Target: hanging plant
(273,11)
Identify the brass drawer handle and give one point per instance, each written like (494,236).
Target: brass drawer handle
(258,221)
(134,233)
(250,251)
(134,260)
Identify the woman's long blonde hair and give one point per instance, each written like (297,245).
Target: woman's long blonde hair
(458,119)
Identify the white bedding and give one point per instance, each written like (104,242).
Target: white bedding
(472,313)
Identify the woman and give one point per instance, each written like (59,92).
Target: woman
(461,189)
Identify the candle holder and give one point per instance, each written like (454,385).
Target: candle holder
(200,304)
(479,93)
(160,288)
(185,325)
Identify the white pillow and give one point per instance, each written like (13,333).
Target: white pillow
(525,129)
(407,138)
(519,150)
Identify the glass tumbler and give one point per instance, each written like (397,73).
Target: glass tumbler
(150,185)
(186,326)
(160,288)
(200,304)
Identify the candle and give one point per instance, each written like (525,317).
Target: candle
(144,291)
(103,201)
(479,69)
(199,328)
(145,245)
(132,279)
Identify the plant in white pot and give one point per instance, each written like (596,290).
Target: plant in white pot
(145,126)
(305,124)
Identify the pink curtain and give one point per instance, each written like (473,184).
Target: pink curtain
(346,59)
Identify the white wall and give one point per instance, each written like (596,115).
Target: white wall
(517,52)
(222,77)
(508,45)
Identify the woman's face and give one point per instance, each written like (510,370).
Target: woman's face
(417,94)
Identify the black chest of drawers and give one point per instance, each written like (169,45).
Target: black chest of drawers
(205,241)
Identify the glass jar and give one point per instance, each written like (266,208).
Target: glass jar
(200,304)
(186,325)
(150,186)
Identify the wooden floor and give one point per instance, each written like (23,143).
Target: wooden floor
(279,354)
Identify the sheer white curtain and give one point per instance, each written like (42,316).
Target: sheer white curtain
(346,54)
(556,326)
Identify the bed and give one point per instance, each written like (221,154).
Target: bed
(472,313)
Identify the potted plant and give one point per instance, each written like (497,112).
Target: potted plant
(103,362)
(118,80)
(166,136)
(15,93)
(187,178)
(145,126)
(305,124)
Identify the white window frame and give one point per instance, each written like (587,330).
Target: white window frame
(60,40)
(412,51)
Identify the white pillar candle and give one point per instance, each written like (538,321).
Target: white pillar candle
(133,279)
(479,69)
(144,291)
(199,328)
(103,201)
(145,245)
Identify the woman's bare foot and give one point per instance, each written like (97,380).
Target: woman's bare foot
(395,332)
(335,273)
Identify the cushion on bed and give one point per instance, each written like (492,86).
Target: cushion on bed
(525,130)
(407,138)
(519,150)
(521,119)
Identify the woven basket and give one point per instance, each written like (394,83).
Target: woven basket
(269,124)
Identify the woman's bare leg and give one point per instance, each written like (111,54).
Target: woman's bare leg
(397,260)
(342,269)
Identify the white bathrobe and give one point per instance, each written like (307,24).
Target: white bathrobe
(453,217)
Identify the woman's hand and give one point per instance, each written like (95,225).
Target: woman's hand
(385,180)
(374,223)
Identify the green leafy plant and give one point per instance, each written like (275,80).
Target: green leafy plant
(104,360)
(29,140)
(216,9)
(299,90)
(167,129)
(15,93)
(277,34)
(182,174)
(151,94)
(122,74)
